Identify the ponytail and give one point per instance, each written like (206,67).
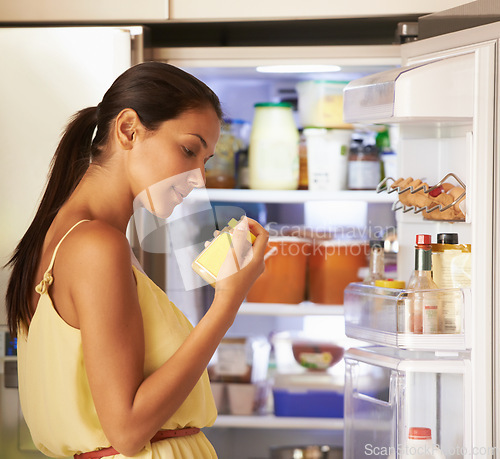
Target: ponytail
(67,168)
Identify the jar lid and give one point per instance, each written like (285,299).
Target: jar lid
(390,284)
(273,104)
(423,239)
(447,238)
(419,433)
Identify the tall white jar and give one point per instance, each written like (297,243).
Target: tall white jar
(273,156)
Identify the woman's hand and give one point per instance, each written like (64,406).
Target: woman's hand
(244,263)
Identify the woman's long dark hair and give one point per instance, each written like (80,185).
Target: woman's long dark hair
(157,92)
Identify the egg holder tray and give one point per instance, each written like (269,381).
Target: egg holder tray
(397,205)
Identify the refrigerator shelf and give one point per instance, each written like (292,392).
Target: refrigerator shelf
(384,316)
(306,308)
(422,189)
(276,422)
(286,196)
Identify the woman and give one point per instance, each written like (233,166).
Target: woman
(106,362)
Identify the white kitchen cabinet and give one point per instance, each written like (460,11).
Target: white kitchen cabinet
(95,11)
(215,10)
(312,9)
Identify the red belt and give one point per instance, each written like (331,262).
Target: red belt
(160,435)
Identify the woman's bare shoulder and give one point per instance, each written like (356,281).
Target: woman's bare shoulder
(93,250)
(95,239)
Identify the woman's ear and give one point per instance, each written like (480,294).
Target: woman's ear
(127,127)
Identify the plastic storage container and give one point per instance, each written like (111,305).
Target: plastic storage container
(380,316)
(308,395)
(416,389)
(327,151)
(333,265)
(284,279)
(273,155)
(321,104)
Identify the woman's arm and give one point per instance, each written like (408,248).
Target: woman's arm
(131,409)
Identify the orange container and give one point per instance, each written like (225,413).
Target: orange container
(332,266)
(284,279)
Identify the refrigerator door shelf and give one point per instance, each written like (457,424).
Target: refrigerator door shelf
(409,393)
(386,316)
(436,91)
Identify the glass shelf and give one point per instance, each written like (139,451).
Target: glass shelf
(277,422)
(289,196)
(305,308)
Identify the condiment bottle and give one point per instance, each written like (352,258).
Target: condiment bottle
(377,267)
(425,304)
(363,166)
(451,263)
(381,311)
(420,446)
(274,148)
(303,170)
(220,169)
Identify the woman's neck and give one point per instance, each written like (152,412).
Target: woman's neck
(103,194)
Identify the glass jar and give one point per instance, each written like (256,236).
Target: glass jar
(220,169)
(363,166)
(274,148)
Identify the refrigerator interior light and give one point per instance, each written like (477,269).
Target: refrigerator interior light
(294,68)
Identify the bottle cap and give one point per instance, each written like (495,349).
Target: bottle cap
(390,283)
(419,433)
(376,243)
(447,238)
(423,239)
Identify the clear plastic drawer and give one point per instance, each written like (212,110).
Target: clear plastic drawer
(418,320)
(387,394)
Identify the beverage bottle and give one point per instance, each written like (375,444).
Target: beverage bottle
(424,303)
(420,446)
(377,267)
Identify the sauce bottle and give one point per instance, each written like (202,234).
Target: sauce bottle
(451,263)
(377,267)
(425,309)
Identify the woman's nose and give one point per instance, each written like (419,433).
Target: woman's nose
(196,178)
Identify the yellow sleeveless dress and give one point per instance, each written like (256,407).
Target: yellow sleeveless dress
(55,394)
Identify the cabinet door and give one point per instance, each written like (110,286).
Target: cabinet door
(89,10)
(284,9)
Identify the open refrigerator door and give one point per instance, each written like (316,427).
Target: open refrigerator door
(442,105)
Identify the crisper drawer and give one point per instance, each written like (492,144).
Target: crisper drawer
(417,320)
(422,392)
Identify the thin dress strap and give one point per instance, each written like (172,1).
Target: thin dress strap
(47,280)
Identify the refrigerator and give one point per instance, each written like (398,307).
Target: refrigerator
(47,75)
(443,101)
(444,119)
